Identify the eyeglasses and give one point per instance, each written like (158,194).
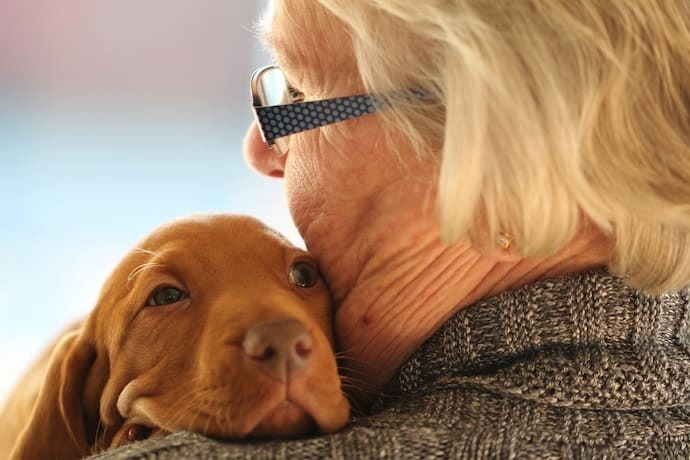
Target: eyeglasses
(280,108)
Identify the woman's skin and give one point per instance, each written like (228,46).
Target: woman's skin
(371,221)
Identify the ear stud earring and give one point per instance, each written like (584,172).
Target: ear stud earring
(504,240)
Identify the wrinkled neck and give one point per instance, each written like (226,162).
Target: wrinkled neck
(410,283)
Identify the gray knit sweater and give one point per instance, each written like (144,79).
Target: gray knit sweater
(579,366)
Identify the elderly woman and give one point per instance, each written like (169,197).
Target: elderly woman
(502,214)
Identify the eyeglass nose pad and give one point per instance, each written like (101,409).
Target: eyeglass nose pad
(260,157)
(280,146)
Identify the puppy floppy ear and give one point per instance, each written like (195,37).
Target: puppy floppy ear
(57,427)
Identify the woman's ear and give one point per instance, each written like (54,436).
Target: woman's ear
(57,427)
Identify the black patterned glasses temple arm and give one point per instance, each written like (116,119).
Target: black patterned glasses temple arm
(283,120)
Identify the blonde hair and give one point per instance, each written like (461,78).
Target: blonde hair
(549,110)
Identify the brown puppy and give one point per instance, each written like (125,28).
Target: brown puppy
(213,324)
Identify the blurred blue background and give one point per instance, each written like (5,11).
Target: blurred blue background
(115,116)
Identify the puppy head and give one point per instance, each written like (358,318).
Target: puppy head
(214,324)
(179,313)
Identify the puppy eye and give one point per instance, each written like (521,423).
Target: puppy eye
(166,295)
(303,274)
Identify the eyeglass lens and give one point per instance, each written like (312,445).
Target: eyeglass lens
(273,90)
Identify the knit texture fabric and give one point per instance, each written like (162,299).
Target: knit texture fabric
(579,366)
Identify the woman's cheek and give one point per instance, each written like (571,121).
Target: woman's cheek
(303,181)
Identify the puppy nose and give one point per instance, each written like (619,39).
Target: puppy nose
(282,348)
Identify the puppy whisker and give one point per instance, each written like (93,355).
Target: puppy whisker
(360,393)
(99,436)
(347,371)
(144,251)
(180,415)
(360,385)
(348,359)
(346,355)
(208,421)
(138,269)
